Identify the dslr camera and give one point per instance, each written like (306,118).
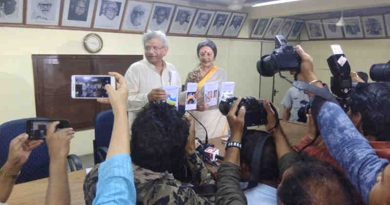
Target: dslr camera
(283,58)
(255,112)
(380,72)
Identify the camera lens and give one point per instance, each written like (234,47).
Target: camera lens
(380,72)
(266,66)
(225,105)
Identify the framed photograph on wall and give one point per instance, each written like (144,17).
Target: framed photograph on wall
(235,24)
(273,28)
(286,27)
(331,30)
(202,22)
(109,14)
(136,16)
(78,13)
(296,30)
(218,24)
(43,12)
(373,26)
(353,27)
(182,20)
(314,29)
(260,27)
(11,11)
(387,23)
(161,17)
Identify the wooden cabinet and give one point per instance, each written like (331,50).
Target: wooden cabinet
(52,80)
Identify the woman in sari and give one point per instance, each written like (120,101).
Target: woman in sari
(206,72)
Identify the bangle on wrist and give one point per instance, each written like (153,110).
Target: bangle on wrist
(314,81)
(233,144)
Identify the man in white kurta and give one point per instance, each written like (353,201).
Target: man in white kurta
(147,78)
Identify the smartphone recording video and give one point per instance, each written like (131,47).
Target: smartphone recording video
(91,86)
(37,129)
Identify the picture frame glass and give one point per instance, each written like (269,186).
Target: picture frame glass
(43,12)
(296,30)
(78,13)
(201,22)
(314,29)
(182,20)
(218,24)
(260,27)
(286,27)
(274,28)
(11,11)
(235,24)
(387,24)
(332,31)
(353,27)
(161,17)
(109,13)
(137,16)
(373,26)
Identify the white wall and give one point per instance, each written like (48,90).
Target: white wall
(236,56)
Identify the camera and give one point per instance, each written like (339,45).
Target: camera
(255,113)
(380,72)
(37,129)
(341,82)
(283,58)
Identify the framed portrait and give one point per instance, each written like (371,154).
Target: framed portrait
(260,27)
(109,14)
(286,27)
(331,30)
(182,20)
(235,24)
(136,16)
(314,29)
(273,28)
(387,23)
(218,24)
(296,30)
(353,27)
(202,22)
(161,17)
(78,13)
(373,26)
(43,12)
(11,11)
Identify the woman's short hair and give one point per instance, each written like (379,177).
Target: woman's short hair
(209,43)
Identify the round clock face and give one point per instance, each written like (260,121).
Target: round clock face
(93,43)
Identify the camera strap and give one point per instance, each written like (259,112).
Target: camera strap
(321,92)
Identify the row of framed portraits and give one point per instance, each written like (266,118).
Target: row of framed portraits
(377,26)
(124,15)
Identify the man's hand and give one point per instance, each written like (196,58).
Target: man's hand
(157,95)
(307,69)
(117,98)
(272,118)
(236,123)
(19,151)
(58,141)
(191,144)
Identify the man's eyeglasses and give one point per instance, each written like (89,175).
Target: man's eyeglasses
(153,48)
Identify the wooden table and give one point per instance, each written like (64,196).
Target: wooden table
(34,192)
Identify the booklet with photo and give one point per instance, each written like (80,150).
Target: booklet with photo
(227,90)
(211,94)
(191,101)
(172,95)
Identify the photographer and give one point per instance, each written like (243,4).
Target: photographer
(369,173)
(20,149)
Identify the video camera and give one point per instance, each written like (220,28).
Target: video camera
(380,72)
(341,81)
(255,113)
(283,58)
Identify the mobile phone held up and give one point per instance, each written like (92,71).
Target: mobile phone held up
(91,86)
(37,129)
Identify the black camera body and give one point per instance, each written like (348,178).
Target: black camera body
(380,72)
(283,58)
(255,113)
(37,129)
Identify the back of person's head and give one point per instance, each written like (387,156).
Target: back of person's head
(155,34)
(159,137)
(209,43)
(371,100)
(312,182)
(268,166)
